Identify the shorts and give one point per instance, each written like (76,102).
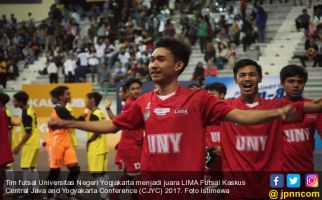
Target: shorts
(29,158)
(128,159)
(97,163)
(59,155)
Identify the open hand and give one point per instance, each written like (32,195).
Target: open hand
(108,103)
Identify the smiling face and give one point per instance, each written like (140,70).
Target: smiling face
(247,78)
(163,67)
(294,87)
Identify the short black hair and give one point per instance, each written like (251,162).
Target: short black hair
(96,96)
(216,86)
(58,91)
(245,62)
(4,98)
(180,50)
(129,82)
(124,88)
(293,70)
(21,97)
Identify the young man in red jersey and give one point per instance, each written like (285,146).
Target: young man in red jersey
(174,118)
(213,168)
(5,148)
(251,152)
(298,137)
(129,147)
(128,155)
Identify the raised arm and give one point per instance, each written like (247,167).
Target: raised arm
(249,117)
(108,104)
(105,126)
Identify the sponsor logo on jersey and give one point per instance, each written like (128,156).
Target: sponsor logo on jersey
(161,111)
(297,135)
(250,143)
(181,111)
(164,143)
(146,115)
(310,116)
(215,136)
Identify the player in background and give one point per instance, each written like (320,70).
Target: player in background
(61,151)
(298,137)
(128,153)
(4,99)
(97,151)
(30,143)
(174,114)
(213,166)
(252,151)
(6,153)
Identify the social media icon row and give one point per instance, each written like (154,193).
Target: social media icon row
(294,180)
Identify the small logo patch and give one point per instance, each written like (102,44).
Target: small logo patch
(161,111)
(146,115)
(181,111)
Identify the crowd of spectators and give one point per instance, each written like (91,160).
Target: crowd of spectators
(312,29)
(120,34)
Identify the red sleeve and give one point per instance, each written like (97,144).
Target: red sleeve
(130,119)
(299,109)
(214,110)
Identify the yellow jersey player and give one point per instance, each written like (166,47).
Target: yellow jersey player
(97,152)
(30,143)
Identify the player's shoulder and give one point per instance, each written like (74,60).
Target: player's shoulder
(272,103)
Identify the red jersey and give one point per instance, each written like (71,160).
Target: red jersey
(253,148)
(128,153)
(131,136)
(213,136)
(299,142)
(213,139)
(5,149)
(174,128)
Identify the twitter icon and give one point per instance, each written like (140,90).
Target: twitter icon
(293,180)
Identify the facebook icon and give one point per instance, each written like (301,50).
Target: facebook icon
(277,180)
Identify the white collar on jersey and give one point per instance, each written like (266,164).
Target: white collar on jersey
(252,105)
(164,97)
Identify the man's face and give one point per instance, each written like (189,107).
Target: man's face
(135,90)
(163,67)
(123,95)
(247,79)
(293,87)
(89,103)
(54,100)
(66,97)
(16,104)
(217,94)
